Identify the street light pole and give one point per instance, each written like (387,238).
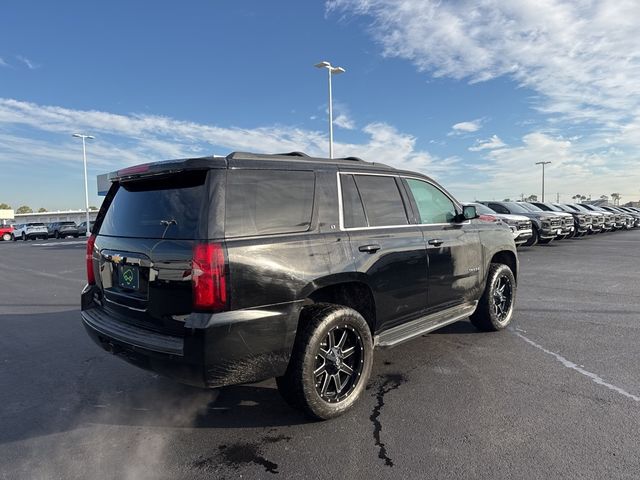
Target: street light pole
(332,70)
(543,164)
(86,183)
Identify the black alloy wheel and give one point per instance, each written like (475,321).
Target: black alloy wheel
(495,308)
(339,363)
(502,297)
(330,363)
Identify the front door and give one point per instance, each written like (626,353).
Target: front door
(453,247)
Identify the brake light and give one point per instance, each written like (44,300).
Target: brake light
(487,218)
(208,277)
(142,168)
(91,278)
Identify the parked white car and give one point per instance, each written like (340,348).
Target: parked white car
(31,231)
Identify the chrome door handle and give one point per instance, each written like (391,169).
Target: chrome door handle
(436,242)
(373,248)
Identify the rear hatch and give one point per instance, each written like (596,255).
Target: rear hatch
(144,247)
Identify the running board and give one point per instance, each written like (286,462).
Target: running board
(402,333)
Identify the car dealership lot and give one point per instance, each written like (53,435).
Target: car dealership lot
(556,396)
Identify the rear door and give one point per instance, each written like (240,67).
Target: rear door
(145,243)
(453,248)
(385,246)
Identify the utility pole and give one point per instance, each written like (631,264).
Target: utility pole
(543,164)
(332,71)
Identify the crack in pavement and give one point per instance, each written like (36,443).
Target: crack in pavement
(392,382)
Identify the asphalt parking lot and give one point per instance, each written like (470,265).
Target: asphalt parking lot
(555,396)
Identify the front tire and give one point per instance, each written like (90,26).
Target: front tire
(331,362)
(6,237)
(534,238)
(495,308)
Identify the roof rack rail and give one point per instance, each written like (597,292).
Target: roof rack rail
(355,159)
(293,154)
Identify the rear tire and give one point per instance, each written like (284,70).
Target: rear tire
(330,363)
(545,241)
(6,237)
(495,308)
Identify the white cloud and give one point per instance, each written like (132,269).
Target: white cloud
(582,57)
(28,63)
(489,144)
(135,138)
(343,121)
(3,63)
(509,171)
(466,127)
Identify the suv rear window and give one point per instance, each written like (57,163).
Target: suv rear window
(167,207)
(268,202)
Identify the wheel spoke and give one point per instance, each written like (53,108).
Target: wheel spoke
(344,368)
(347,352)
(343,339)
(338,383)
(332,340)
(321,369)
(325,384)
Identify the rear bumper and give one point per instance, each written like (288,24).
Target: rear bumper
(240,346)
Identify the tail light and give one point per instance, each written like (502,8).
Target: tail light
(208,277)
(487,218)
(91,278)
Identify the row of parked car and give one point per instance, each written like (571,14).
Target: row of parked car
(544,222)
(36,230)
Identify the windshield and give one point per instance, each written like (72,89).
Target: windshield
(516,207)
(35,224)
(531,207)
(67,223)
(481,209)
(581,208)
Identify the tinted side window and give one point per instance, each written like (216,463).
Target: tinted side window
(267,202)
(382,200)
(352,208)
(498,208)
(433,205)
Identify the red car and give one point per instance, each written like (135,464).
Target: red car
(6,232)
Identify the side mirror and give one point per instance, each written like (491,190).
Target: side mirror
(469,212)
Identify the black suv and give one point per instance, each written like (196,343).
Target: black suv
(226,270)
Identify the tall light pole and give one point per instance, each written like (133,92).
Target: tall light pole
(543,164)
(332,71)
(86,184)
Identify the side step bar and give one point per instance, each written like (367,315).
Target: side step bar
(402,333)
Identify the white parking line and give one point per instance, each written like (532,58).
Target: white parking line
(569,364)
(50,244)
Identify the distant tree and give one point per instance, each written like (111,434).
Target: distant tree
(506,200)
(4,206)
(604,197)
(24,209)
(616,198)
(93,208)
(42,210)
(531,198)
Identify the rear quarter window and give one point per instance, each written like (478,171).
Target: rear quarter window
(268,202)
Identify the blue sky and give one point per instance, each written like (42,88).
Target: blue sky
(472,93)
